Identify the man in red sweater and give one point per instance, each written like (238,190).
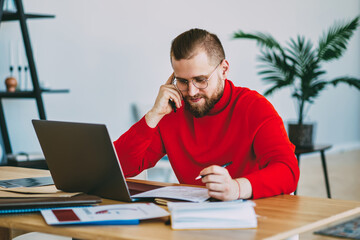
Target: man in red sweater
(212,123)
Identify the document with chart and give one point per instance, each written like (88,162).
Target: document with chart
(122,214)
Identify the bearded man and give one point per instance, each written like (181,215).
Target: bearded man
(203,123)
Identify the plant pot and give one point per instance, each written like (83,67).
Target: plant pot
(301,135)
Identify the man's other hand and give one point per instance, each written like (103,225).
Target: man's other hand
(219,183)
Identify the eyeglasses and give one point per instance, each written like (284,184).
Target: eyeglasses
(198,82)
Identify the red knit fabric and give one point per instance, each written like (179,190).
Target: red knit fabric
(243,127)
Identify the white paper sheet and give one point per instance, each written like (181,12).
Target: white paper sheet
(192,194)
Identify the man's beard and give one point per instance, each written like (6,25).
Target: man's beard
(200,111)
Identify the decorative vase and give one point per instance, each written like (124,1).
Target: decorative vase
(11,84)
(301,135)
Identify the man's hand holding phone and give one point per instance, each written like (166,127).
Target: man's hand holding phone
(168,95)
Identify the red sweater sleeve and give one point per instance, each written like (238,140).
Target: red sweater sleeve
(139,148)
(278,168)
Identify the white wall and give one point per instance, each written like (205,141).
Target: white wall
(112,53)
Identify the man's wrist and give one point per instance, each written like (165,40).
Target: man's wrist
(152,119)
(245,188)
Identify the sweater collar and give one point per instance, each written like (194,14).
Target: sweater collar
(224,100)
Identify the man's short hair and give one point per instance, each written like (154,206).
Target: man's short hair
(187,44)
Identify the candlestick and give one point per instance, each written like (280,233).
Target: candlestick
(19,86)
(19,54)
(11,53)
(11,68)
(26,78)
(20,61)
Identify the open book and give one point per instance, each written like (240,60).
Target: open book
(213,215)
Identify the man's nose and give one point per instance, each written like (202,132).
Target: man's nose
(192,89)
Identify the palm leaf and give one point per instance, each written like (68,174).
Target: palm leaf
(333,44)
(274,88)
(306,63)
(348,80)
(262,39)
(314,90)
(276,70)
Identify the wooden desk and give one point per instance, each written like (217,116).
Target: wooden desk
(279,217)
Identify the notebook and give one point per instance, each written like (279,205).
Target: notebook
(81,158)
(25,205)
(212,215)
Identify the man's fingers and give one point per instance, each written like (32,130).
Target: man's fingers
(218,195)
(169,81)
(213,178)
(174,96)
(216,187)
(214,169)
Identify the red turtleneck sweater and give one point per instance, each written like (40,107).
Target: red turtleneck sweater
(243,127)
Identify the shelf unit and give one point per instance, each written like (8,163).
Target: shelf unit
(37,92)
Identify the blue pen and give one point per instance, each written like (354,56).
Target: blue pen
(225,165)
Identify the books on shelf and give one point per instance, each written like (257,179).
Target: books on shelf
(213,215)
(117,214)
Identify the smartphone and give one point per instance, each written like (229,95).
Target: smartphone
(171,101)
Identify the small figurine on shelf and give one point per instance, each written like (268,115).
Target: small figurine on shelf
(11,84)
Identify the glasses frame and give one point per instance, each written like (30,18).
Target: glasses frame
(193,80)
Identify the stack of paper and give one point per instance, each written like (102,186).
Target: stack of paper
(213,215)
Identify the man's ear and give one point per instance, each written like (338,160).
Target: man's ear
(224,68)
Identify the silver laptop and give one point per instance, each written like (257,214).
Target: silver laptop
(81,158)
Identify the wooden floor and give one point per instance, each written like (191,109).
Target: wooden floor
(343,170)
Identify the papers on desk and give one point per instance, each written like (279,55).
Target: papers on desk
(118,214)
(31,188)
(26,182)
(34,192)
(212,215)
(191,194)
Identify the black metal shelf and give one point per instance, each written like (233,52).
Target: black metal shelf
(29,94)
(14,16)
(37,91)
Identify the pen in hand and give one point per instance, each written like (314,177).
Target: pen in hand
(225,165)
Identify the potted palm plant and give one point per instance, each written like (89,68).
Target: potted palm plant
(298,65)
